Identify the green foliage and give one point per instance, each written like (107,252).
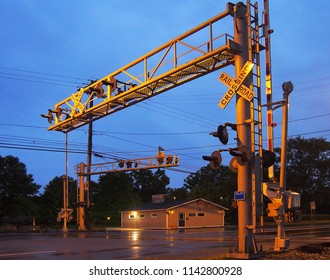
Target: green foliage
(51,201)
(308,170)
(176,194)
(217,186)
(147,183)
(17,191)
(114,193)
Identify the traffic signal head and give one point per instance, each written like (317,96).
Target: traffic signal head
(215,160)
(129,164)
(169,160)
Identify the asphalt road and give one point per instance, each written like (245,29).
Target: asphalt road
(145,244)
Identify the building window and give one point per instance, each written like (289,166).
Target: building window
(142,216)
(192,214)
(131,216)
(201,214)
(154,216)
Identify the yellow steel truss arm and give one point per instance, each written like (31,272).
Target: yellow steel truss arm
(193,54)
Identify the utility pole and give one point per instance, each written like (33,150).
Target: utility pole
(64,209)
(246,247)
(81,201)
(65,212)
(89,162)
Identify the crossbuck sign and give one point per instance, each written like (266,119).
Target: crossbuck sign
(236,86)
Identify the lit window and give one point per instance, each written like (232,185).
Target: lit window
(131,216)
(201,214)
(154,216)
(192,214)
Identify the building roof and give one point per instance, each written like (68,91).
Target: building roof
(167,205)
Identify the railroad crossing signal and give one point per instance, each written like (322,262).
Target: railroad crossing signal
(236,86)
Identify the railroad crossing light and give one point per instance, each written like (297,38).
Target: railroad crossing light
(98,90)
(48,116)
(233,165)
(222,132)
(57,111)
(242,154)
(112,82)
(215,160)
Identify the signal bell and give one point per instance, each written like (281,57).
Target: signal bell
(215,160)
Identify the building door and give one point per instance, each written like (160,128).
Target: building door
(182,219)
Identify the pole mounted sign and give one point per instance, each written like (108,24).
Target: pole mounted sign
(239,195)
(236,85)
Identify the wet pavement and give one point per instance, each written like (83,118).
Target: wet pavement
(144,244)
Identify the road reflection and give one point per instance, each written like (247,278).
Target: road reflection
(134,235)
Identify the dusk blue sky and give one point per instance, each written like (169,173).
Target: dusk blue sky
(49,48)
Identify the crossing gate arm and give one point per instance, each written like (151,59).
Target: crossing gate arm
(194,54)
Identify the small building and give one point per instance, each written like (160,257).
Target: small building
(174,214)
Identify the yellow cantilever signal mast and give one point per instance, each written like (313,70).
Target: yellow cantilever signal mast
(195,53)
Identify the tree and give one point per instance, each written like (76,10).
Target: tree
(308,169)
(114,193)
(176,193)
(51,200)
(147,183)
(215,185)
(17,190)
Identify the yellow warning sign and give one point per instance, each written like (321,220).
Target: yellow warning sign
(235,85)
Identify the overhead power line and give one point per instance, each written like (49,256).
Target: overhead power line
(42,73)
